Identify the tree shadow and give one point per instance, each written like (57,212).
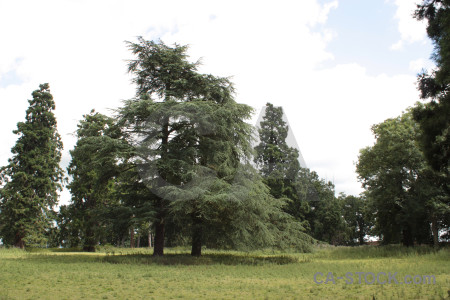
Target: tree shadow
(248,259)
(206,259)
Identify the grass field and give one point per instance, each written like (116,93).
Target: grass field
(134,274)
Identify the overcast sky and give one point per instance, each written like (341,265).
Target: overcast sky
(336,67)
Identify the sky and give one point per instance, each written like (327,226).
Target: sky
(336,67)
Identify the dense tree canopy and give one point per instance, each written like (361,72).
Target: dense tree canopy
(398,179)
(358,217)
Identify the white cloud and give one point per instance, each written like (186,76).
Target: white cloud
(411,30)
(323,15)
(397,46)
(271,50)
(333,116)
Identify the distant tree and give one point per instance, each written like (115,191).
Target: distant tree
(357,216)
(70,229)
(325,218)
(32,179)
(305,197)
(278,163)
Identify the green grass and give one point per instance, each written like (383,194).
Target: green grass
(118,273)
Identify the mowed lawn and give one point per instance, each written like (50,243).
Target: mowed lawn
(135,274)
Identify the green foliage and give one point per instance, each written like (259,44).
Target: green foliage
(97,159)
(433,116)
(171,95)
(192,144)
(69,232)
(325,216)
(399,182)
(300,192)
(166,73)
(32,178)
(358,217)
(277,162)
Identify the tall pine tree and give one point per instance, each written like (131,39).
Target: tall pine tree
(32,179)
(278,163)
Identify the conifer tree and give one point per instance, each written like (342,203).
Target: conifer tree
(191,140)
(276,160)
(278,163)
(93,169)
(32,179)
(173,101)
(433,116)
(165,79)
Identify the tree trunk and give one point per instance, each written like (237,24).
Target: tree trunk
(132,237)
(435,231)
(122,243)
(89,242)
(19,243)
(197,232)
(149,239)
(361,233)
(158,250)
(91,224)
(407,237)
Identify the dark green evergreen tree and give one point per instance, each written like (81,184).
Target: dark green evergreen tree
(97,160)
(175,108)
(165,80)
(32,179)
(433,117)
(278,163)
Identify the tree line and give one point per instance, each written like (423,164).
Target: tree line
(175,165)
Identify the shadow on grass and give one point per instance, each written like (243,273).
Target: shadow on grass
(62,257)
(207,259)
